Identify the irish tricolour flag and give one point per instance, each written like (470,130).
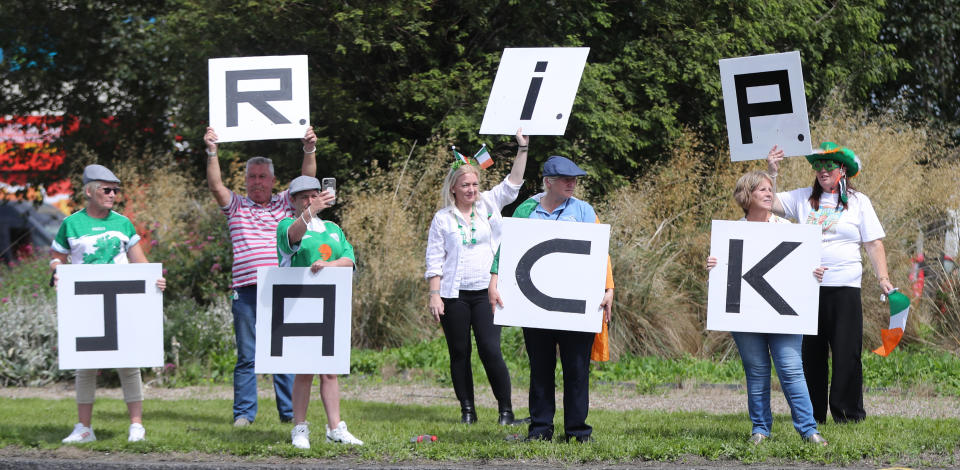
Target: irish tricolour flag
(483,157)
(899,309)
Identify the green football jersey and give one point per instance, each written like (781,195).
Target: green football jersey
(89,240)
(323,240)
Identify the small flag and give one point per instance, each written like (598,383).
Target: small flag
(899,309)
(483,157)
(459,156)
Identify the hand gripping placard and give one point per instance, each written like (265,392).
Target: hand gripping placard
(303,321)
(552,274)
(109,315)
(777,293)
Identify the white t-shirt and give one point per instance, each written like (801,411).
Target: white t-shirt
(844,230)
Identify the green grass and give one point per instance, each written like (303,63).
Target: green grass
(910,367)
(204,426)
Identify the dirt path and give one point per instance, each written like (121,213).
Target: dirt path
(708,398)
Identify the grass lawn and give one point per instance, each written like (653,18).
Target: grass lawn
(203,426)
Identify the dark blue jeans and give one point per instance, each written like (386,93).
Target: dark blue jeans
(244,379)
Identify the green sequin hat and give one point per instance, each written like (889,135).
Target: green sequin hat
(841,155)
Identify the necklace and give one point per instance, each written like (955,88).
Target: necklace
(473,230)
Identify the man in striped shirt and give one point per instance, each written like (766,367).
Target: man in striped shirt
(252,220)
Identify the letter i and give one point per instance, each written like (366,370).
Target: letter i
(532,92)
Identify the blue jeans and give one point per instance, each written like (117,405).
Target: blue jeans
(755,351)
(244,379)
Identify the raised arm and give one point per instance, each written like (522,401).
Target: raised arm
(309,166)
(520,162)
(214,180)
(774,157)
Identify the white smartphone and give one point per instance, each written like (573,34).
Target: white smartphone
(329,184)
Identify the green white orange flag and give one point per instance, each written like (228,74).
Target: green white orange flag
(899,309)
(459,156)
(483,157)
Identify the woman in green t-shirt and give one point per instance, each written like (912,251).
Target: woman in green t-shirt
(307,241)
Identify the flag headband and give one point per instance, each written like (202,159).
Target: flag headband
(481,159)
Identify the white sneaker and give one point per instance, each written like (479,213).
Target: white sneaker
(300,436)
(80,435)
(137,433)
(341,435)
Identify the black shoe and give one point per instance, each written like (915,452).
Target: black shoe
(288,419)
(579,439)
(468,414)
(507,419)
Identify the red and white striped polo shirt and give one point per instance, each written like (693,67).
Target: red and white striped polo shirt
(253,232)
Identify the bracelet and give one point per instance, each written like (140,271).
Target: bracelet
(522,146)
(54,260)
(312,151)
(211,154)
(881,278)
(435,291)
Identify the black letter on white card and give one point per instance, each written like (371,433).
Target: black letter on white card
(258,99)
(769,108)
(528,104)
(109,290)
(279,329)
(530,258)
(754,277)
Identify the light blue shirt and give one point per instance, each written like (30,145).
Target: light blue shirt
(572,210)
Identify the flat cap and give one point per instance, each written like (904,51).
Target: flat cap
(561,166)
(99,173)
(303,183)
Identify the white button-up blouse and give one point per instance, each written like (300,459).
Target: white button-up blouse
(467,266)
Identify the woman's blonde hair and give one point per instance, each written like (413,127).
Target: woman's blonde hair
(746,185)
(446,192)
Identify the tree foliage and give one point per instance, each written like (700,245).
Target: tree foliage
(386,73)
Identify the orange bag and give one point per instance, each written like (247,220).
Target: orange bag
(601,346)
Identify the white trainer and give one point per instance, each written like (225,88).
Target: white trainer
(80,435)
(136,433)
(341,435)
(300,436)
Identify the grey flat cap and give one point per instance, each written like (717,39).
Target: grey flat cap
(303,183)
(99,173)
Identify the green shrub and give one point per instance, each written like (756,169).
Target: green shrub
(28,339)
(198,342)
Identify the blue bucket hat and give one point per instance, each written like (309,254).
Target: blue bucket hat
(561,166)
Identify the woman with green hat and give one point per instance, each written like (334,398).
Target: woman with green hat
(848,221)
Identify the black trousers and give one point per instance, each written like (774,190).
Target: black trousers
(472,309)
(840,331)
(575,349)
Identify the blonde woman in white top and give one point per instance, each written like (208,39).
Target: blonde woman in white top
(464,236)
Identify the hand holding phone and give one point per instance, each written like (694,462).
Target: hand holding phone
(330,184)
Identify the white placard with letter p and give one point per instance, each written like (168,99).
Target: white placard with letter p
(763,281)
(109,315)
(552,274)
(765,105)
(259,98)
(534,89)
(303,320)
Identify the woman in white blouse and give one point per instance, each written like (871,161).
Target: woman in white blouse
(464,235)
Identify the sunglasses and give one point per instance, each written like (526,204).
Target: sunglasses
(828,165)
(111,190)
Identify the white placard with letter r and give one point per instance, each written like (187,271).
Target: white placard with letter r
(109,315)
(534,89)
(552,274)
(763,281)
(259,98)
(765,105)
(303,320)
